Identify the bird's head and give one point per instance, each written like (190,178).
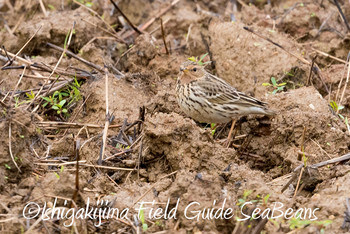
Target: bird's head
(190,71)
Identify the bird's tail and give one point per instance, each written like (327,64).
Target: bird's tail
(270,112)
(261,110)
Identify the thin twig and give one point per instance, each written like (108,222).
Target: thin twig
(94,39)
(15,56)
(53,125)
(278,45)
(329,56)
(107,122)
(99,68)
(51,163)
(139,160)
(41,77)
(342,15)
(345,85)
(310,74)
(19,81)
(19,21)
(107,167)
(82,163)
(302,148)
(3,104)
(77,157)
(151,21)
(296,189)
(42,6)
(112,31)
(106,31)
(118,154)
(126,18)
(331,161)
(163,36)
(158,27)
(314,141)
(316,68)
(10,147)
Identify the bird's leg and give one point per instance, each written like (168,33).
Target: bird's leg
(230,133)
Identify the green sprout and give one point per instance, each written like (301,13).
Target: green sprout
(142,219)
(59,107)
(200,61)
(30,95)
(297,223)
(57,175)
(277,87)
(213,128)
(336,108)
(266,198)
(51,7)
(61,100)
(246,193)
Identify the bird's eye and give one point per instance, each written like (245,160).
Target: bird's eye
(194,69)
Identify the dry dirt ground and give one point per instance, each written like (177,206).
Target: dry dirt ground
(146,149)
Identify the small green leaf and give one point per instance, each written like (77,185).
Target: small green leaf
(46,99)
(203,56)
(273,81)
(51,7)
(266,84)
(241,201)
(62,103)
(144,226)
(193,59)
(57,175)
(266,198)
(55,107)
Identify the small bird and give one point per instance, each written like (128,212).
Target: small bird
(207,98)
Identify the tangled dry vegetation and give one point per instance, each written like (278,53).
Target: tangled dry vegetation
(89,113)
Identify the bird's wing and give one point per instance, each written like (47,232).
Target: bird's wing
(217,91)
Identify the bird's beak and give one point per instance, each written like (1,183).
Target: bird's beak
(183,69)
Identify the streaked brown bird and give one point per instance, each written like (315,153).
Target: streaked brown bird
(207,98)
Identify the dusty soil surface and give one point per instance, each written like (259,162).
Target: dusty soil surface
(146,149)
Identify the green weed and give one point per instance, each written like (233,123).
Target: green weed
(200,60)
(142,219)
(297,223)
(277,87)
(61,100)
(336,108)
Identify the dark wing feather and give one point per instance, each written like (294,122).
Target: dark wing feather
(218,91)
